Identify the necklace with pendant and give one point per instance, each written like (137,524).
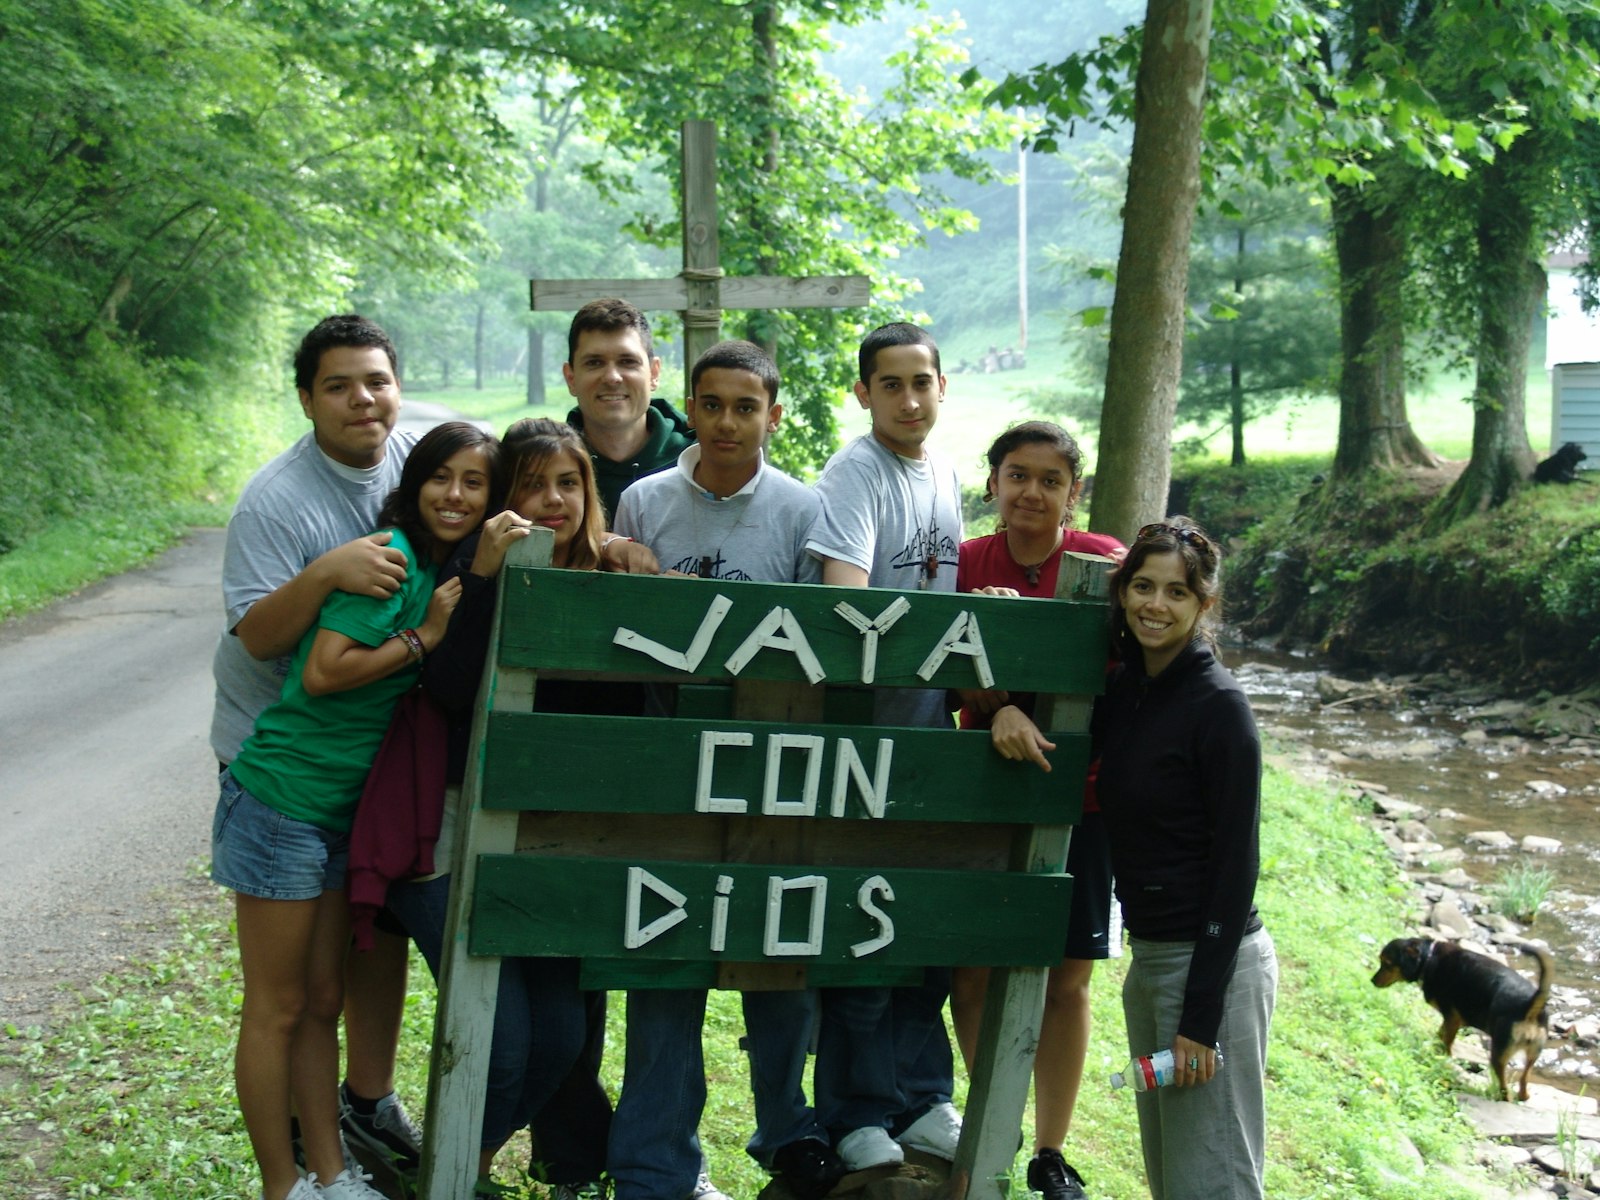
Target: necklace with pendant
(708,564)
(1030,572)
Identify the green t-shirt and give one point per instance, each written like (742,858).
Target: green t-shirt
(309,756)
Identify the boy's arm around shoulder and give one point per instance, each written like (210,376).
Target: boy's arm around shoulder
(287,604)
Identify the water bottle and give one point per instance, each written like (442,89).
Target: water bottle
(1150,1071)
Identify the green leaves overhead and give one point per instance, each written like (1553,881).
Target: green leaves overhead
(176,157)
(812,178)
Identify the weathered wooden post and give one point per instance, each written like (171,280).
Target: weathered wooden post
(701,292)
(764,834)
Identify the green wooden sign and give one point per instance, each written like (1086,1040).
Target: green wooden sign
(747,912)
(766,768)
(770,835)
(680,628)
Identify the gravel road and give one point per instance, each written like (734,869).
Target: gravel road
(106,777)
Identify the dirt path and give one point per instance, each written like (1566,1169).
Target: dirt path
(106,778)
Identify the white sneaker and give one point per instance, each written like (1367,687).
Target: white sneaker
(870,1146)
(704,1189)
(303,1189)
(935,1132)
(349,1186)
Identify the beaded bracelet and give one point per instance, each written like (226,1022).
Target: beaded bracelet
(413,641)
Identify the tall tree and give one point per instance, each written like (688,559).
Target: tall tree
(1325,93)
(1369,222)
(1147,314)
(1545,56)
(1260,274)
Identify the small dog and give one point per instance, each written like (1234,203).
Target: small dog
(1562,466)
(1473,989)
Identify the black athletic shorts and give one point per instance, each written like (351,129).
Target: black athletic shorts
(1089,864)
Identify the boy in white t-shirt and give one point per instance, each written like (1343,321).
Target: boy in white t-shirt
(891,517)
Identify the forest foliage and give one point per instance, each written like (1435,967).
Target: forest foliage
(184,184)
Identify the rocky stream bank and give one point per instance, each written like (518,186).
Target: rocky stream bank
(1473,792)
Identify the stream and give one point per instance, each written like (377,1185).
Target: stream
(1477,765)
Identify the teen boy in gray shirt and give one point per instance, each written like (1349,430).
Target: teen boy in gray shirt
(721,513)
(891,517)
(300,531)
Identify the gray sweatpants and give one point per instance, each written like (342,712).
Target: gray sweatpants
(1206,1142)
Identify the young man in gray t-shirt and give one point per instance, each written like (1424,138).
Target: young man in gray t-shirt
(891,517)
(721,514)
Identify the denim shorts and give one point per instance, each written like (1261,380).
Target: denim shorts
(257,851)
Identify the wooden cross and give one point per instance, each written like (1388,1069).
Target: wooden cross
(700,292)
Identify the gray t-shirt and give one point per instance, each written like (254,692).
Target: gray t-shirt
(898,519)
(759,532)
(295,509)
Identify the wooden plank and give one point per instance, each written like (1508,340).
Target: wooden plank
(776,291)
(569,295)
(1007,1045)
(463,1025)
(571,620)
(705,838)
(616,975)
(736,292)
(702,309)
(696,912)
(817,772)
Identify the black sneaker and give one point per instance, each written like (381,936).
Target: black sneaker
(810,1169)
(1053,1177)
(387,1132)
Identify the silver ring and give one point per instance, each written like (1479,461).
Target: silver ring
(1194,1064)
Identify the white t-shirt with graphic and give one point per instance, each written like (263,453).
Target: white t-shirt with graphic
(898,519)
(760,532)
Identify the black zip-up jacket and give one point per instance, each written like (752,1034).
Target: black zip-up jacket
(1180,787)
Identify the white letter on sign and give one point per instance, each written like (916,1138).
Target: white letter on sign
(806,806)
(704,801)
(686,660)
(776,887)
(849,766)
(719,914)
(961,638)
(865,903)
(639,879)
(778,631)
(871,629)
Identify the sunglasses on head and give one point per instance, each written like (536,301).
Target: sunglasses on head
(1183,533)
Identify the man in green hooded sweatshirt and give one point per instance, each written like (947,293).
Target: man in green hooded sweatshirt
(611,372)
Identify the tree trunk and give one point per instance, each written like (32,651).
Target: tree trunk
(762,327)
(1236,413)
(1374,432)
(477,350)
(1511,292)
(1235,368)
(541,203)
(1147,314)
(535,367)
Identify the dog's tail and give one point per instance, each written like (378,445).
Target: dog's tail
(1547,972)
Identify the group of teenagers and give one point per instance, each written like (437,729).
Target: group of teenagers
(359,589)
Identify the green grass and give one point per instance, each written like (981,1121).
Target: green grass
(71,554)
(133,1095)
(1520,890)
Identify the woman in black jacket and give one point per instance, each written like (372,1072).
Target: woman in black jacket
(1180,787)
